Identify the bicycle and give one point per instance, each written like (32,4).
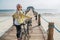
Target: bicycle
(28,22)
(25,30)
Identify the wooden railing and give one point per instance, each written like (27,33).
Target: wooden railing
(51,27)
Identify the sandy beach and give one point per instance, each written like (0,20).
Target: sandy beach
(5,24)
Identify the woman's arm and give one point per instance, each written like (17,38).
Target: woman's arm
(25,16)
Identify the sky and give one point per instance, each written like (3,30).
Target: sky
(37,4)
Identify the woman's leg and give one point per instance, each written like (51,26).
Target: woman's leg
(18,28)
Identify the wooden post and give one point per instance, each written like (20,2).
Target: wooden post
(50,30)
(39,20)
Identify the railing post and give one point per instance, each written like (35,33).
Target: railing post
(39,20)
(50,30)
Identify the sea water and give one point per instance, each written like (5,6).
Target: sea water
(38,10)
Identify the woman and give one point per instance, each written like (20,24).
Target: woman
(18,20)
